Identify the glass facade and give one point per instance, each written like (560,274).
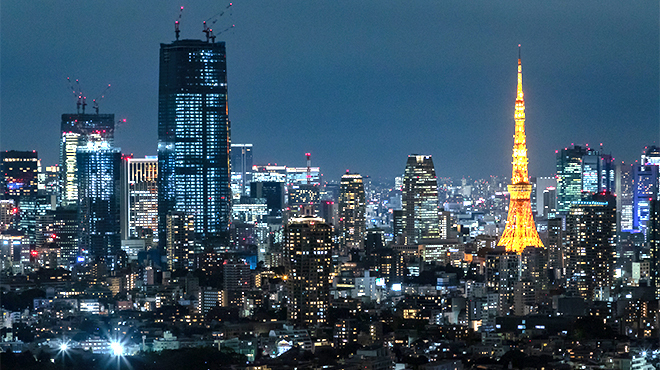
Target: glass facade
(77,131)
(98,202)
(420,200)
(194,138)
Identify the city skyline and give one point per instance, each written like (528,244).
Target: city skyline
(419,78)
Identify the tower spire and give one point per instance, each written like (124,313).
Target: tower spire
(520,231)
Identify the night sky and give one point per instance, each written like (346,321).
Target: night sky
(359,84)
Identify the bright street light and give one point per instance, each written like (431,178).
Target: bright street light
(117,348)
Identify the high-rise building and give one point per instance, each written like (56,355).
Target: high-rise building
(194,138)
(624,199)
(645,189)
(582,169)
(502,273)
(555,249)
(237,281)
(273,192)
(653,236)
(520,231)
(77,131)
(139,194)
(179,240)
(308,246)
(20,173)
(64,232)
(591,246)
(98,191)
(420,200)
(351,212)
(241,168)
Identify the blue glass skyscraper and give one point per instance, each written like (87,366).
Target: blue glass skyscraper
(99,238)
(194,138)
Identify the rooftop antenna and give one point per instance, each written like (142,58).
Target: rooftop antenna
(176,24)
(309,167)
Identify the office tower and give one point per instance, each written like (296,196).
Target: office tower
(308,245)
(20,173)
(77,130)
(549,202)
(502,273)
(445,224)
(49,181)
(273,192)
(64,232)
(351,213)
(179,240)
(98,178)
(624,199)
(304,199)
(139,205)
(555,249)
(645,189)
(542,185)
(8,212)
(653,237)
(194,138)
(651,155)
(237,281)
(241,168)
(301,175)
(569,176)
(591,246)
(398,226)
(420,200)
(520,231)
(31,209)
(582,169)
(329,212)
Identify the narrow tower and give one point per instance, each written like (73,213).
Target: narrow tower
(520,231)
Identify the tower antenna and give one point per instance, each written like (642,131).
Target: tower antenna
(176,24)
(309,167)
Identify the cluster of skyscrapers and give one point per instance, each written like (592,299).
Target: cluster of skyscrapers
(202,202)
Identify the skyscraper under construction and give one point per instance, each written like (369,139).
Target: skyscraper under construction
(194,138)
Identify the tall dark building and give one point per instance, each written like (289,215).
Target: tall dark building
(99,236)
(241,167)
(352,208)
(420,200)
(308,246)
(653,236)
(194,138)
(273,192)
(591,246)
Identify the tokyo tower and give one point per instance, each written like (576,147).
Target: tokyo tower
(520,231)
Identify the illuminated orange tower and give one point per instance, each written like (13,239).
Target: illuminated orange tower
(520,231)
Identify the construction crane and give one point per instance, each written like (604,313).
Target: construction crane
(209,31)
(176,24)
(77,92)
(101,96)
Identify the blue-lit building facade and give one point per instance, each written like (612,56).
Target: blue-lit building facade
(582,170)
(77,130)
(194,138)
(645,189)
(99,238)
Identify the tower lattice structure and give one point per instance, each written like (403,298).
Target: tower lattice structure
(520,231)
